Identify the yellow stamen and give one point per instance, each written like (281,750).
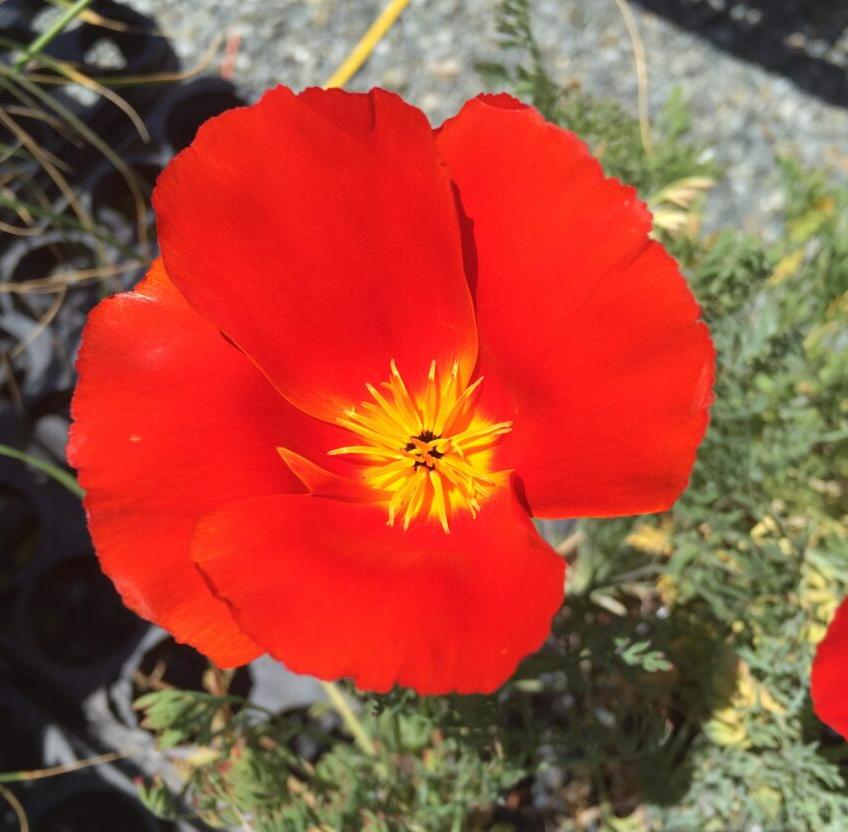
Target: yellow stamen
(425,454)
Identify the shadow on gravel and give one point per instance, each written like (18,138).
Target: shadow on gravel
(803,40)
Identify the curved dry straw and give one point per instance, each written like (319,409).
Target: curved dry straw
(359,54)
(641,72)
(22,191)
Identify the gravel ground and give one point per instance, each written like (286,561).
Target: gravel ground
(745,114)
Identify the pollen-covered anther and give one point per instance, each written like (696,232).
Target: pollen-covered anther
(426,453)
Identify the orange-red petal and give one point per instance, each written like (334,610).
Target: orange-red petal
(334,592)
(323,483)
(829,684)
(589,336)
(171,421)
(319,232)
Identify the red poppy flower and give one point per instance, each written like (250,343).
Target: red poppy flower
(374,352)
(829,685)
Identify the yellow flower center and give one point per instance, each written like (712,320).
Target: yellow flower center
(428,454)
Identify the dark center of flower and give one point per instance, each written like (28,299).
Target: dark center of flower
(424,456)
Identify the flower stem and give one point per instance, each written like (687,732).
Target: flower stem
(349,718)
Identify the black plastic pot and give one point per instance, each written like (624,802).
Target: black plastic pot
(183,109)
(98,798)
(139,49)
(72,658)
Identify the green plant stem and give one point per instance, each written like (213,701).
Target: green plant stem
(351,721)
(71,13)
(62,477)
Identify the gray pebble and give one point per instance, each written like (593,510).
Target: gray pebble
(745,113)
